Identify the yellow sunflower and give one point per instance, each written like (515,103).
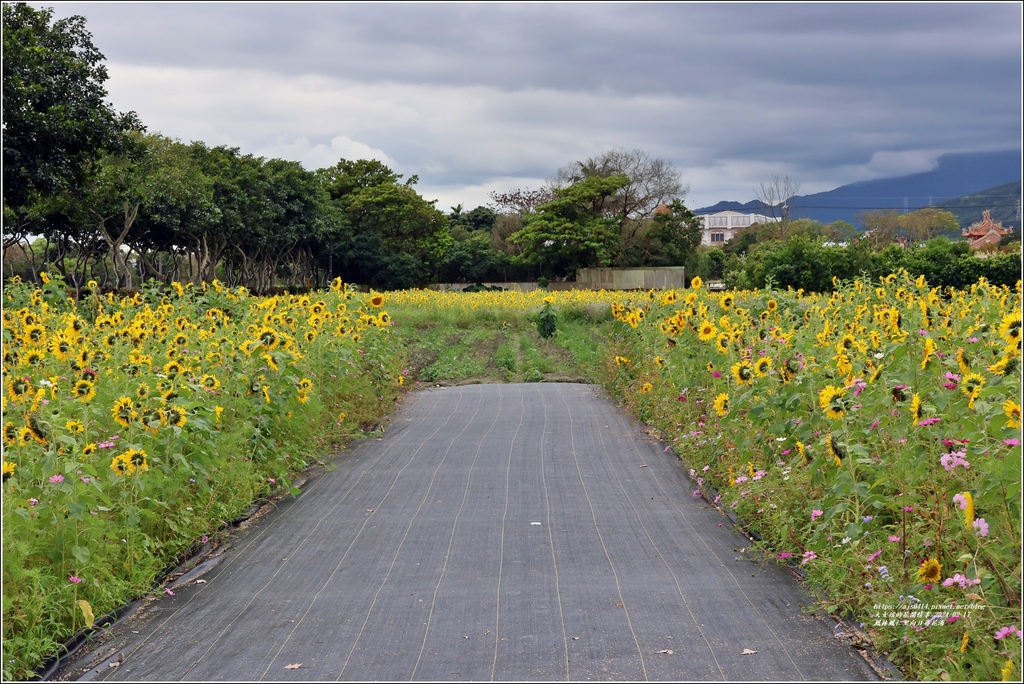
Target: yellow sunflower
(743,372)
(1012,411)
(706,331)
(930,571)
(84,390)
(722,404)
(833,401)
(763,366)
(124,411)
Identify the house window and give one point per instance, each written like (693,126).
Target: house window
(718,237)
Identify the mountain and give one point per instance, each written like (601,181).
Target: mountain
(955,176)
(1002,201)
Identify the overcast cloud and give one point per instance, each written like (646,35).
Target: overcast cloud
(475,97)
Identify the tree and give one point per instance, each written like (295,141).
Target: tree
(651,182)
(55,118)
(573,230)
(924,224)
(881,226)
(678,232)
(775,196)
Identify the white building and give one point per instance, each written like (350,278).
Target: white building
(721,227)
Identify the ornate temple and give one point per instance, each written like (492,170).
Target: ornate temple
(986,233)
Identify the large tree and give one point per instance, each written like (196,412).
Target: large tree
(55,117)
(573,230)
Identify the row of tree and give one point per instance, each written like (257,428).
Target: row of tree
(107,200)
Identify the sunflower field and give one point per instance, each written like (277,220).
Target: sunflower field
(869,438)
(137,427)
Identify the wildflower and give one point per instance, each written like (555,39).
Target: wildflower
(1005,632)
(808,557)
(893,538)
(377,301)
(872,557)
(56,479)
(696,283)
(706,331)
(32,502)
(930,570)
(84,390)
(908,509)
(915,408)
(785,554)
(341,418)
(815,514)
(883,571)
(1011,442)
(962,580)
(929,421)
(74,580)
(953,459)
(646,387)
(981,527)
(966,503)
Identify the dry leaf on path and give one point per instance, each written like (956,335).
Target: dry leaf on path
(748,651)
(293,666)
(667,651)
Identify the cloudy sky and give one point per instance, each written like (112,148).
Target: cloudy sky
(475,97)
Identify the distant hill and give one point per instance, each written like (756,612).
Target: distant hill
(1001,200)
(956,177)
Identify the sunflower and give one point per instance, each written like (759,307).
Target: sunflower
(971,385)
(84,390)
(722,343)
(968,506)
(963,360)
(210,382)
(722,404)
(172,369)
(8,470)
(269,338)
(621,361)
(151,418)
(142,391)
(915,408)
(833,401)
(19,389)
(646,387)
(835,449)
(302,397)
(75,427)
(174,416)
(35,357)
(706,331)
(10,433)
(929,352)
(743,372)
(310,335)
(89,449)
(1010,328)
(124,411)
(930,571)
(763,366)
(305,384)
(33,334)
(726,301)
(1012,411)
(25,436)
(377,301)
(772,305)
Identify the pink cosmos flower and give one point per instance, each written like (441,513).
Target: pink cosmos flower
(33,501)
(716,374)
(908,509)
(875,555)
(893,538)
(56,478)
(76,580)
(815,514)
(981,527)
(808,557)
(1006,631)
(929,421)
(961,501)
(1011,442)
(785,554)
